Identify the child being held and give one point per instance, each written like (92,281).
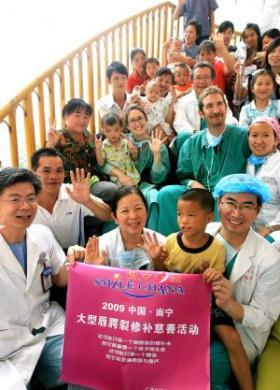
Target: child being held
(115,155)
(192,250)
(182,79)
(158,110)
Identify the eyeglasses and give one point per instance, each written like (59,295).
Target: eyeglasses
(31,200)
(206,77)
(233,206)
(134,120)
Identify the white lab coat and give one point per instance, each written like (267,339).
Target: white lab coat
(256,285)
(113,244)
(187,116)
(24,306)
(269,173)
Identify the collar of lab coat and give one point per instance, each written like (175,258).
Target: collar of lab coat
(10,262)
(244,259)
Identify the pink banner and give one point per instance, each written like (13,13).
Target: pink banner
(137,330)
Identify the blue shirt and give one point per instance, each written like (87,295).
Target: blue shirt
(20,252)
(198,11)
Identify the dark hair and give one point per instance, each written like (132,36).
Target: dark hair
(200,195)
(197,27)
(12,176)
(212,90)
(261,72)
(182,65)
(130,108)
(208,46)
(135,51)
(273,44)
(272,33)
(45,152)
(111,119)
(151,60)
(76,104)
(255,27)
(164,70)
(227,24)
(117,67)
(123,191)
(201,65)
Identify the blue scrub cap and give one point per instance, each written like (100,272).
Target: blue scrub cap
(238,183)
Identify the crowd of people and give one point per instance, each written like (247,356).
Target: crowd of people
(183,176)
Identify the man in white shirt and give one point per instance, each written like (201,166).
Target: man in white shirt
(250,294)
(187,118)
(118,100)
(31,261)
(62,207)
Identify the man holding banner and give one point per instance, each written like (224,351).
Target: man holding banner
(251,295)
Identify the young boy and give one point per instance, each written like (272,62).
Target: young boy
(116,152)
(118,100)
(194,251)
(223,66)
(151,67)
(182,79)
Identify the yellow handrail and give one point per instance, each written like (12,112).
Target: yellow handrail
(81,74)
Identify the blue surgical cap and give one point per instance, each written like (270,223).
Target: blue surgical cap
(238,183)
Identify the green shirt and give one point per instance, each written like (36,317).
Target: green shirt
(207,165)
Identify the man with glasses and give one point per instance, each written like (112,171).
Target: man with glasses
(31,327)
(187,118)
(250,294)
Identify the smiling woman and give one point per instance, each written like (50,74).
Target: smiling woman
(122,247)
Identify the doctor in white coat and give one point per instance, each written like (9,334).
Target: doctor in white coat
(264,163)
(251,296)
(31,328)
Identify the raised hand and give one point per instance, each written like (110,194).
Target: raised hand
(157,140)
(98,143)
(151,245)
(80,191)
(93,255)
(52,134)
(219,42)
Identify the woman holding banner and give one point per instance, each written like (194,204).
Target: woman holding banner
(122,247)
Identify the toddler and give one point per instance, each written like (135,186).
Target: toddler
(115,155)
(159,111)
(182,79)
(192,250)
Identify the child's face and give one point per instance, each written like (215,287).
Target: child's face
(118,82)
(181,75)
(176,45)
(251,38)
(77,121)
(151,69)
(207,56)
(227,34)
(113,133)
(138,62)
(192,218)
(153,93)
(165,82)
(263,87)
